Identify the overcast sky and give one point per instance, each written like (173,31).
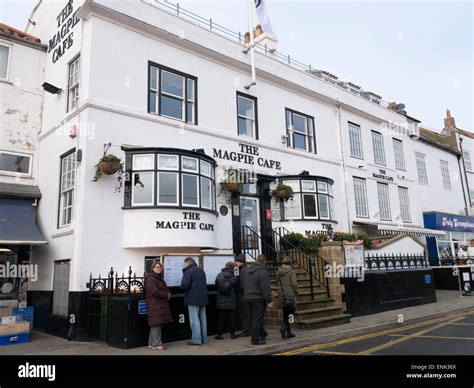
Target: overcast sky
(419,53)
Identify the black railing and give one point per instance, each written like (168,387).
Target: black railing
(253,245)
(313,264)
(100,291)
(394,261)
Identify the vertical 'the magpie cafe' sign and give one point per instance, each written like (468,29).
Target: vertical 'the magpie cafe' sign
(62,40)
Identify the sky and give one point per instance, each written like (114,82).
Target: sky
(420,53)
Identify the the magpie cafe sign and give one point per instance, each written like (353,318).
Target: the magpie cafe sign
(62,40)
(382,175)
(247,154)
(190,221)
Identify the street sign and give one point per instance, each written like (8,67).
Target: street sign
(142,309)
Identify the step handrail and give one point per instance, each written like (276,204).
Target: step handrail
(304,260)
(262,247)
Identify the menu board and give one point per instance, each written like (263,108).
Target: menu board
(354,253)
(213,265)
(173,266)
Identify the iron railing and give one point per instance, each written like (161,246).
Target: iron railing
(101,289)
(209,23)
(313,264)
(253,245)
(394,261)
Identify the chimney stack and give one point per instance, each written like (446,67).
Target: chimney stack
(449,121)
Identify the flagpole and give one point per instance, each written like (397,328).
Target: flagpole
(252,46)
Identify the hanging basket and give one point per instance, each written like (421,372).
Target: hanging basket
(110,167)
(283,192)
(232,187)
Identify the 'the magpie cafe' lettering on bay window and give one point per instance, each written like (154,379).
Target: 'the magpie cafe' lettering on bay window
(248,155)
(62,40)
(190,222)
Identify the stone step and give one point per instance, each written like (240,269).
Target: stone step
(306,295)
(318,323)
(304,315)
(314,304)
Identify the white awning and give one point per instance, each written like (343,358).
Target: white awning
(394,229)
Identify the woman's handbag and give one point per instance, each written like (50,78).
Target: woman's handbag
(288,303)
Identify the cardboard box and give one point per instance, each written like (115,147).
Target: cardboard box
(6,311)
(9,303)
(15,328)
(8,320)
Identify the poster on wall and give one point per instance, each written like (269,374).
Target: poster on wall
(173,266)
(213,266)
(354,253)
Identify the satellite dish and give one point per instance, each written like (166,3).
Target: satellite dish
(401,106)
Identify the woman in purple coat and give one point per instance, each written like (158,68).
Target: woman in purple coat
(157,297)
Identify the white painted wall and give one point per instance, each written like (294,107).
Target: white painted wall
(21,99)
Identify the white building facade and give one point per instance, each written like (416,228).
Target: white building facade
(168,97)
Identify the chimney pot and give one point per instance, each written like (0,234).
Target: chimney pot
(449,120)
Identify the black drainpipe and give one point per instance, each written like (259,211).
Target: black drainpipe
(465,173)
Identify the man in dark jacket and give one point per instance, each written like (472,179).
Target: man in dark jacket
(226,302)
(259,295)
(196,298)
(243,306)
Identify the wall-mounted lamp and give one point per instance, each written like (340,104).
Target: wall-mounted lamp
(51,88)
(361,166)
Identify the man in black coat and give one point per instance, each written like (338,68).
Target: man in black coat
(196,298)
(258,293)
(242,304)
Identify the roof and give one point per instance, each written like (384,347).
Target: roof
(9,30)
(447,142)
(16,190)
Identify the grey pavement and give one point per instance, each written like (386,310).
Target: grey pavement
(448,302)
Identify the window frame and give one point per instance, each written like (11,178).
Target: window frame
(378,135)
(255,121)
(408,207)
(153,184)
(421,162)
(60,223)
(445,176)
(77,85)
(158,93)
(359,140)
(365,199)
(402,166)
(468,153)
(310,136)
(23,174)
(9,60)
(380,200)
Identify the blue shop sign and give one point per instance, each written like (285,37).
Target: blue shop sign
(448,222)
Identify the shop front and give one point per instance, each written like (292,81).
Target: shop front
(454,247)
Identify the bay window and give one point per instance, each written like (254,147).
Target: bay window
(162,177)
(312,199)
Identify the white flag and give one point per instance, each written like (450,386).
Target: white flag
(263,17)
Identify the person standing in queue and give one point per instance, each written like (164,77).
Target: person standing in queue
(287,287)
(259,295)
(157,300)
(196,298)
(243,306)
(226,303)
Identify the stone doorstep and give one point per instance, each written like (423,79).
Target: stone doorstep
(296,343)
